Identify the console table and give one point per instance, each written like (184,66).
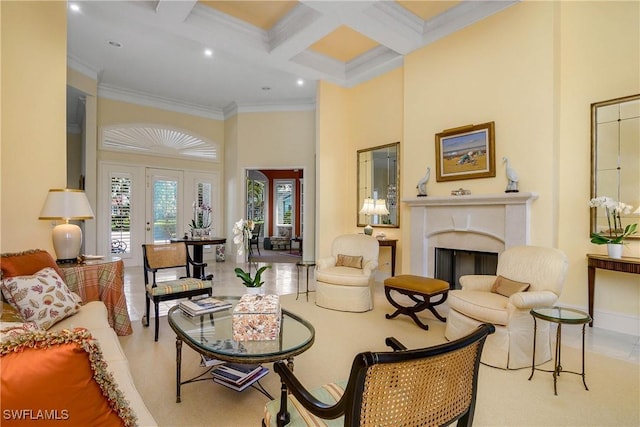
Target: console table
(101,280)
(198,255)
(392,244)
(624,265)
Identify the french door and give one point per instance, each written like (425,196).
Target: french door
(164,202)
(150,205)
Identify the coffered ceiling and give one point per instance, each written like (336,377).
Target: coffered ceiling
(265,55)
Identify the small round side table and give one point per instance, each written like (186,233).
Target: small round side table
(307,265)
(561,316)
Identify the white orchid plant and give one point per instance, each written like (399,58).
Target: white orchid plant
(242,230)
(201,216)
(616,234)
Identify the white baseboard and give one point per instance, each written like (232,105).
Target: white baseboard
(613,321)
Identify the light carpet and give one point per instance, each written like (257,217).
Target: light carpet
(505,398)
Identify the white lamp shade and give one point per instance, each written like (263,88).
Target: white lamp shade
(368,207)
(66,205)
(381,207)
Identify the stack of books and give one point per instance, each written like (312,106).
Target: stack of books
(238,377)
(208,361)
(196,307)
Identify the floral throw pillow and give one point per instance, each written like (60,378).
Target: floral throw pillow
(9,330)
(42,298)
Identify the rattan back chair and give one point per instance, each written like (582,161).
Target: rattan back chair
(431,386)
(175,256)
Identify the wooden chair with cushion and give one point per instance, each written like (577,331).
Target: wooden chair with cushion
(430,386)
(163,256)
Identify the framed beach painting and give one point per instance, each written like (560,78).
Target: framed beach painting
(466,152)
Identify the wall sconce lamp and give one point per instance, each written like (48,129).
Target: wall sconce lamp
(66,205)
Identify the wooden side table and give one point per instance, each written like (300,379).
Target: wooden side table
(101,280)
(392,244)
(624,265)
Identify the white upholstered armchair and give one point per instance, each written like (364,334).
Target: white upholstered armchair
(342,280)
(484,299)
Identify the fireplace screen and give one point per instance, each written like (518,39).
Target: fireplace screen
(450,264)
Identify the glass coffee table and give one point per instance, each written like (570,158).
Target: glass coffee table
(561,316)
(210,335)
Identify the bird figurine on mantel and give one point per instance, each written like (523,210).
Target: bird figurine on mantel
(422,184)
(512,177)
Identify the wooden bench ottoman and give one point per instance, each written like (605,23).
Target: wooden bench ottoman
(420,290)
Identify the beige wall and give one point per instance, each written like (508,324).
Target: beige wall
(336,165)
(271,140)
(534,69)
(376,113)
(33,118)
(599,60)
(482,76)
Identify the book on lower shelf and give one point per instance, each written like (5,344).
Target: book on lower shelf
(235,373)
(196,307)
(245,384)
(208,361)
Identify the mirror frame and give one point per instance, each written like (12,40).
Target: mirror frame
(593,226)
(360,197)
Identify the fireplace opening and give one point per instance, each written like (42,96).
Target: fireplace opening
(450,264)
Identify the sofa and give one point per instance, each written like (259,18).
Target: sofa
(60,359)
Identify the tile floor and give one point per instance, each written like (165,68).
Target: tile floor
(282,279)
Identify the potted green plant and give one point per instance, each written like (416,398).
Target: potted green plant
(614,237)
(246,277)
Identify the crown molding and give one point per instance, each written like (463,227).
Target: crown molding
(79,66)
(461,16)
(141,98)
(235,109)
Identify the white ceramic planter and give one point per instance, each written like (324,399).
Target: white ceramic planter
(614,250)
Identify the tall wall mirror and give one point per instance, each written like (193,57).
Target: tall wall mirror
(615,157)
(378,186)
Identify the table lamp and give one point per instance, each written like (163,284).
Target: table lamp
(66,205)
(368,209)
(380,207)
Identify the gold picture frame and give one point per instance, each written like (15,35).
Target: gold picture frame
(466,152)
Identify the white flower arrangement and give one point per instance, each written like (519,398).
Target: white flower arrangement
(242,231)
(201,216)
(616,234)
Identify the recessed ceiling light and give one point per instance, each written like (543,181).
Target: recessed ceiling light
(208,52)
(74,7)
(114,43)
(300,82)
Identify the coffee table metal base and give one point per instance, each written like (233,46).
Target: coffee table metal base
(200,377)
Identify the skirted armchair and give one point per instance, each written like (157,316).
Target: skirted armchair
(342,280)
(527,277)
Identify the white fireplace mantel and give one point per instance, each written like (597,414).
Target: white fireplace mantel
(483,222)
